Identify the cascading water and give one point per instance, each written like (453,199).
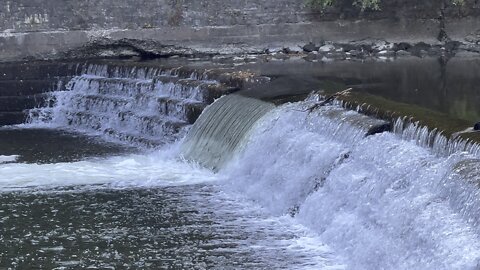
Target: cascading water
(137,105)
(294,188)
(380,201)
(219,130)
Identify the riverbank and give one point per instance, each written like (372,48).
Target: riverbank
(152,29)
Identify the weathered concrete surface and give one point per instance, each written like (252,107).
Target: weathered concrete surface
(23,86)
(12,118)
(44,29)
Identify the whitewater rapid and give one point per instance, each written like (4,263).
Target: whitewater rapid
(380,201)
(376,202)
(243,227)
(10,158)
(154,169)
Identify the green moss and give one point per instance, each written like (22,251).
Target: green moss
(329,87)
(390,110)
(473,136)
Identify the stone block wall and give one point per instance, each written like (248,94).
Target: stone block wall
(47,28)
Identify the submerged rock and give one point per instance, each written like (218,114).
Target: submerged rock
(311,57)
(435,51)
(476,126)
(402,53)
(310,47)
(290,50)
(379,128)
(327,48)
(382,45)
(337,55)
(473,38)
(386,53)
(452,46)
(402,46)
(348,47)
(420,49)
(357,54)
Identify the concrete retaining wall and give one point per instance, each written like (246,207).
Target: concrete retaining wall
(45,29)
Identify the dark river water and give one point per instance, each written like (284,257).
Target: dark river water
(36,145)
(187,227)
(447,86)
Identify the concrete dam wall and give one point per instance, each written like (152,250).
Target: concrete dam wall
(48,29)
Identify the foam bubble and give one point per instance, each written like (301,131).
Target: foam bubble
(6,159)
(130,170)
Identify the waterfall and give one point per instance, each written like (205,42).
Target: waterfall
(383,200)
(220,129)
(407,199)
(142,106)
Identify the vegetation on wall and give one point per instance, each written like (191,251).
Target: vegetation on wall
(362,4)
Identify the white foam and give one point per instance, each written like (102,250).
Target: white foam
(385,208)
(121,171)
(130,107)
(283,161)
(380,202)
(5,159)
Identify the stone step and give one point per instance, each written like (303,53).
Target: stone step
(133,138)
(36,70)
(186,110)
(215,91)
(205,91)
(178,84)
(111,86)
(138,70)
(126,70)
(368,124)
(26,87)
(227,76)
(152,121)
(21,103)
(161,86)
(129,122)
(12,118)
(99,103)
